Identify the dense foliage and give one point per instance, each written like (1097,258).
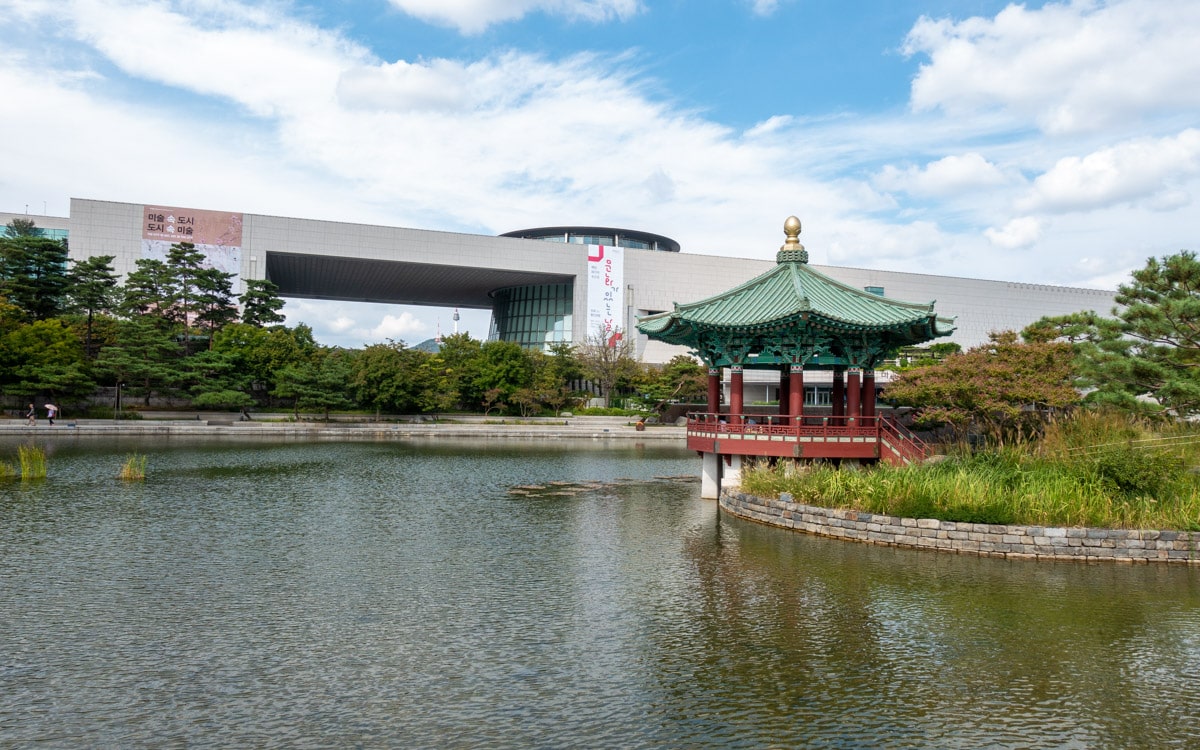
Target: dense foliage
(1003,389)
(174,333)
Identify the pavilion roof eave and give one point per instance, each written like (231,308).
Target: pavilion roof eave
(796,308)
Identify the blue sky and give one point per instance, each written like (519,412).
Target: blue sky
(1054,143)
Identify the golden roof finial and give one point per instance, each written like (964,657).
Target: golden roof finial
(792,250)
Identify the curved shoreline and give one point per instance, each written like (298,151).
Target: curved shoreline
(1011,542)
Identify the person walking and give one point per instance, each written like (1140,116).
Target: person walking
(31,417)
(51,413)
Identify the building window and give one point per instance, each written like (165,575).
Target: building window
(876,290)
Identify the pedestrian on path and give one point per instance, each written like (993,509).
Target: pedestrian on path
(31,417)
(51,413)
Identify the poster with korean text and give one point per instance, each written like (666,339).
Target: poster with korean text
(606,288)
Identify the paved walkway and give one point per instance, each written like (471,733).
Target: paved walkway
(265,427)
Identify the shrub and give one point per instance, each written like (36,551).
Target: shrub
(1134,472)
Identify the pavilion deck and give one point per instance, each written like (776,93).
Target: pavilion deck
(866,438)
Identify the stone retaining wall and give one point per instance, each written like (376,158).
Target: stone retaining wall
(989,540)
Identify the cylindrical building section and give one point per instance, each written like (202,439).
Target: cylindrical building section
(537,316)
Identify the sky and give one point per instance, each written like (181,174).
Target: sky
(1054,143)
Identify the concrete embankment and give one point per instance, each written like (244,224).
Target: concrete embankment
(278,426)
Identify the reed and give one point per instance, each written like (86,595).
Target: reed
(33,461)
(134,468)
(1094,471)
(8,471)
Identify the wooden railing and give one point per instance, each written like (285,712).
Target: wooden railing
(907,447)
(897,444)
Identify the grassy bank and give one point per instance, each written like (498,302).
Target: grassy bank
(1088,470)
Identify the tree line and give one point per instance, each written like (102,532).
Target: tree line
(175,331)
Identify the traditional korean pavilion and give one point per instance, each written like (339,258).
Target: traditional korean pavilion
(794,319)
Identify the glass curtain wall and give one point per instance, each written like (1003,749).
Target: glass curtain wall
(533,316)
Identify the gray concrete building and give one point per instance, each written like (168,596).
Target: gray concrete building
(559,286)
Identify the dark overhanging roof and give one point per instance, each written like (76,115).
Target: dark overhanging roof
(396,282)
(795,314)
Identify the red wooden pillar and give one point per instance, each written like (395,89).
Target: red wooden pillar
(735,394)
(838,397)
(868,393)
(714,390)
(796,394)
(853,395)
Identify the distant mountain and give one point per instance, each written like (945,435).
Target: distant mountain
(429,345)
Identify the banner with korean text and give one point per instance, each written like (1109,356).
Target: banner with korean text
(217,235)
(606,290)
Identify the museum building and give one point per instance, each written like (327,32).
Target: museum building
(543,285)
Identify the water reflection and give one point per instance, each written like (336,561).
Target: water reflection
(385,594)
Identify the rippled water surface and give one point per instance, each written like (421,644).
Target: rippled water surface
(399,595)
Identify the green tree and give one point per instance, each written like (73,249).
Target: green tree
(439,393)
(387,377)
(92,290)
(502,365)
(214,381)
(1147,357)
(321,385)
(213,306)
(33,274)
(1004,388)
(186,265)
(149,291)
(262,353)
(564,364)
(457,357)
(44,357)
(261,303)
(682,379)
(550,385)
(144,356)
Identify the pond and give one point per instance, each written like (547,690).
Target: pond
(451,595)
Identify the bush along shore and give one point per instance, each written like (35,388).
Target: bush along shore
(1088,470)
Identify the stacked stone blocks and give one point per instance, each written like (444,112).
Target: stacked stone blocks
(989,540)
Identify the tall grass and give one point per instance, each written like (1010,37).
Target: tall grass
(1089,470)
(134,468)
(32,460)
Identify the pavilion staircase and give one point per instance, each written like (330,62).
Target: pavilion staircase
(898,445)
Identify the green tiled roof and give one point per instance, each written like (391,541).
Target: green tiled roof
(793,304)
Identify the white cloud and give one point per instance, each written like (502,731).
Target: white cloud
(764,7)
(1070,67)
(951,175)
(770,125)
(265,63)
(475,16)
(1143,168)
(398,327)
(1018,233)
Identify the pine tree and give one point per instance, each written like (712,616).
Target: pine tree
(92,290)
(261,303)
